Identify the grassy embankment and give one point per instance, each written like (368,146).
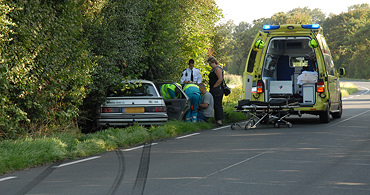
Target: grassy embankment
(71,144)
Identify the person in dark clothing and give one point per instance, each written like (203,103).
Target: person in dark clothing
(215,81)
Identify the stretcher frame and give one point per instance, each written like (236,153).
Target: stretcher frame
(275,111)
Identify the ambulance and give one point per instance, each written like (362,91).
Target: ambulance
(293,61)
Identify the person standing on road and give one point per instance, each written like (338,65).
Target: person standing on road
(191,74)
(205,110)
(215,81)
(192,91)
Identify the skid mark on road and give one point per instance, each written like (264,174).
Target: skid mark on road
(38,179)
(142,173)
(121,170)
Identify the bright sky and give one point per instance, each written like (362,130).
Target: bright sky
(247,11)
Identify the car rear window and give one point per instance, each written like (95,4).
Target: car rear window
(131,89)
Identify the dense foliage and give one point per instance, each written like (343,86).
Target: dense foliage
(45,65)
(58,58)
(347,34)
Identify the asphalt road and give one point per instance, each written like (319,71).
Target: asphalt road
(309,158)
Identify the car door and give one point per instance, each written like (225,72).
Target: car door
(176,108)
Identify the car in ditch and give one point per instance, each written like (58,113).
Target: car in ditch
(140,102)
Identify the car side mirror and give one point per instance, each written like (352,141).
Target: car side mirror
(342,71)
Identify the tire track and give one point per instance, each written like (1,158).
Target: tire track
(38,179)
(121,170)
(142,173)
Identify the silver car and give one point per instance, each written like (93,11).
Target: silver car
(140,102)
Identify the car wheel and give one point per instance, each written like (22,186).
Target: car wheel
(338,114)
(325,115)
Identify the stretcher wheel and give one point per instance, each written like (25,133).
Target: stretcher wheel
(290,125)
(233,126)
(250,124)
(277,124)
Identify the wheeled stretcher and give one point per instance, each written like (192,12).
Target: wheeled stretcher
(275,111)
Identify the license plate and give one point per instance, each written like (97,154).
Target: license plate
(133,110)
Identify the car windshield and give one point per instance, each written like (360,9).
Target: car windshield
(133,89)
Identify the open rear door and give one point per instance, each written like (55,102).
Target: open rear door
(252,68)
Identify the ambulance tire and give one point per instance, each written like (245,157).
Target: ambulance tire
(325,115)
(338,114)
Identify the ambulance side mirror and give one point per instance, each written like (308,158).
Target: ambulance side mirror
(342,71)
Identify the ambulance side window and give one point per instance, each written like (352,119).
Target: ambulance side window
(251,61)
(329,65)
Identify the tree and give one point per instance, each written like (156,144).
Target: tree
(223,42)
(348,37)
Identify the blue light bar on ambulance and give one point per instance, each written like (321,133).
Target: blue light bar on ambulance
(271,27)
(311,26)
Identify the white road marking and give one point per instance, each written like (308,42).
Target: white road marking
(7,178)
(130,149)
(187,136)
(248,159)
(349,118)
(75,162)
(219,128)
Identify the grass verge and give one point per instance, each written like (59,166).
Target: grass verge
(347,88)
(29,152)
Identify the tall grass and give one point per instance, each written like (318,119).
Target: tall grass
(235,82)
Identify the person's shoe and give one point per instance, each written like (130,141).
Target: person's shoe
(219,124)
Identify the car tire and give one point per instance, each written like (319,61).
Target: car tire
(325,115)
(338,114)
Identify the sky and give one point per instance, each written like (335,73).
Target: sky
(247,11)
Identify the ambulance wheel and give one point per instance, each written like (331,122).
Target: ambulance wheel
(233,126)
(339,113)
(325,115)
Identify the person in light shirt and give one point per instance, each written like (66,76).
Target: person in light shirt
(191,74)
(205,109)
